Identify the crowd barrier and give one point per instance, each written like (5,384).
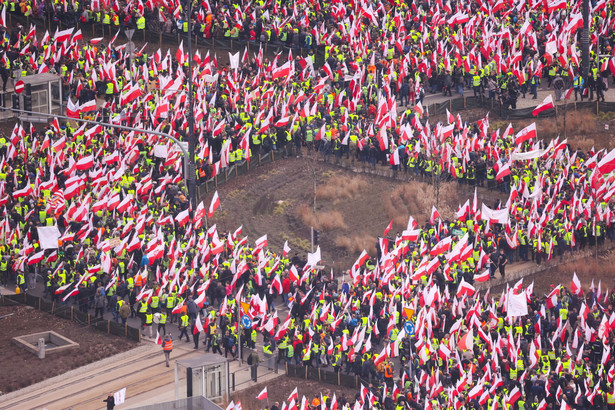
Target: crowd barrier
(154,33)
(70,313)
(239,168)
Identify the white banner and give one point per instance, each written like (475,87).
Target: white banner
(160,151)
(313,258)
(48,236)
(517,304)
(523,156)
(494,216)
(210,78)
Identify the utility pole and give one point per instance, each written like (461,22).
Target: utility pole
(191,177)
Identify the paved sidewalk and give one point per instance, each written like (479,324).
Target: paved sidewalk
(526,102)
(141,370)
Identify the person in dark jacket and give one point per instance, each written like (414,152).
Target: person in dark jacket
(110,400)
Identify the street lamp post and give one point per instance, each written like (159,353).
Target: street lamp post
(191,175)
(187,158)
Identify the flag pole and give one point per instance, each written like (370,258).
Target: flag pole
(239,345)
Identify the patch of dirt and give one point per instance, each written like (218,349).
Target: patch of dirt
(599,270)
(279,389)
(26,368)
(349,222)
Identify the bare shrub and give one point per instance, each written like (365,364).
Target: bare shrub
(356,243)
(321,220)
(306,215)
(416,199)
(338,188)
(331,220)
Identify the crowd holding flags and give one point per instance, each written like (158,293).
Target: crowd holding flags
(125,224)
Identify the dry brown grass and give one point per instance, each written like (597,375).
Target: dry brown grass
(590,268)
(356,243)
(338,189)
(581,127)
(321,220)
(578,124)
(416,199)
(583,143)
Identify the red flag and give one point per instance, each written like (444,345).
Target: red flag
(443,246)
(482,277)
(88,106)
(262,395)
(282,71)
(525,134)
(503,171)
(36,258)
(63,35)
(388,228)
(465,289)
(607,163)
(575,286)
(198,326)
(85,163)
(72,110)
(547,104)
(466,342)
(261,242)
(215,203)
(198,215)
(77,36)
(183,217)
(514,395)
(434,215)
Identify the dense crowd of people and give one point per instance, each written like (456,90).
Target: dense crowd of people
(130,241)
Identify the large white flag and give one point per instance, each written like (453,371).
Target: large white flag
(517,304)
(120,396)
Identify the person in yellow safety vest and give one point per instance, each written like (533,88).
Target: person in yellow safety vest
(149,320)
(4,270)
(141,23)
(109,91)
(143,306)
(21,282)
(184,323)
(282,347)
(170,304)
(162,323)
(252,339)
(154,304)
(476,84)
(290,353)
